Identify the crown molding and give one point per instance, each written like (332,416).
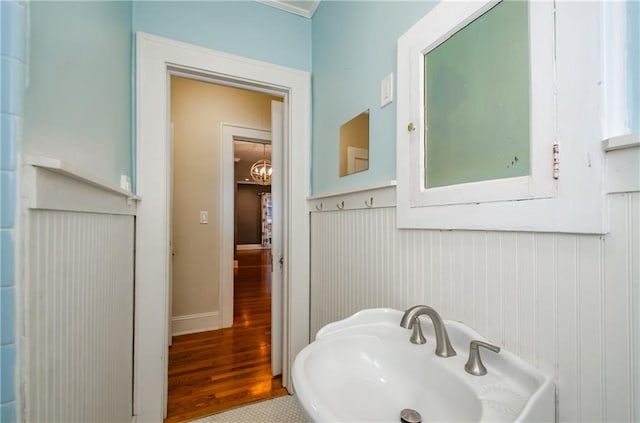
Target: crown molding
(306,12)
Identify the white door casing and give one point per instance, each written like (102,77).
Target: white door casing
(171,243)
(154,57)
(277,266)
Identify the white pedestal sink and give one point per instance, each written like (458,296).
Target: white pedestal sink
(364,369)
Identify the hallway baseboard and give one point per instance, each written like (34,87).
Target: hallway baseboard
(252,247)
(192,323)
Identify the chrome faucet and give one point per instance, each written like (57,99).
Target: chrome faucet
(410,321)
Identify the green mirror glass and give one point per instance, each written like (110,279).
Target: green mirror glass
(477,100)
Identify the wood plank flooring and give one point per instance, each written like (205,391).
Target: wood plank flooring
(218,370)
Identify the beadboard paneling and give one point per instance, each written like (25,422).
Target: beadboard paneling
(567,303)
(78,317)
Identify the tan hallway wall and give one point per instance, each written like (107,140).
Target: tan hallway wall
(197,111)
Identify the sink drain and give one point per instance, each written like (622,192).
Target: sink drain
(410,416)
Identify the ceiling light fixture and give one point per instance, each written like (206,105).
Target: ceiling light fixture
(261,170)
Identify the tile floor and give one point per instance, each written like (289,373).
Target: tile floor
(279,410)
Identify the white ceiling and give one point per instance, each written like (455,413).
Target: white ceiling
(249,153)
(304,8)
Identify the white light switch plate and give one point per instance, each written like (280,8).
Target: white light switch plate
(386,90)
(204,217)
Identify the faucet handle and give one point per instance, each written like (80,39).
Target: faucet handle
(417,337)
(474,364)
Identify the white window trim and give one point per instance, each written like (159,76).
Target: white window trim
(540,183)
(569,88)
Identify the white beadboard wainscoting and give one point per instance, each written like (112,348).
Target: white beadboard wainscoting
(566,303)
(77,297)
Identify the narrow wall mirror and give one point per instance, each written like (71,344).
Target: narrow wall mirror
(354,144)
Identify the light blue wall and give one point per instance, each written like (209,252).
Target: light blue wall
(78,96)
(354,47)
(244,28)
(12,18)
(633,63)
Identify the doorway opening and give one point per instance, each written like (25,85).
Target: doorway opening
(253,200)
(217,359)
(156,59)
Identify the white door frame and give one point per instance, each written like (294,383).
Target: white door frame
(229,133)
(278,220)
(155,56)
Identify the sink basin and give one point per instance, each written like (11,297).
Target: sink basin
(364,369)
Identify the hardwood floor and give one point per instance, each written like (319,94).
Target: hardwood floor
(218,370)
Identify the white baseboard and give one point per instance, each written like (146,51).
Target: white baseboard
(192,323)
(249,246)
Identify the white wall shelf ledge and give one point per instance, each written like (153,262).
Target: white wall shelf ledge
(361,198)
(53,184)
(622,170)
(68,170)
(621,142)
(351,191)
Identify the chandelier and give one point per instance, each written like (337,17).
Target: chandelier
(261,170)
